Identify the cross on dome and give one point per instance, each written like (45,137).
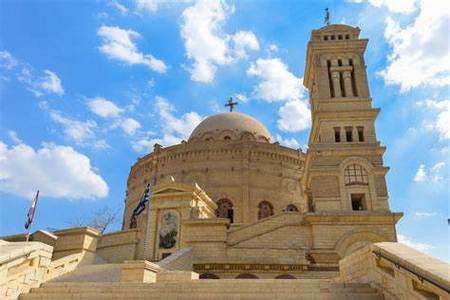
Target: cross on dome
(231,104)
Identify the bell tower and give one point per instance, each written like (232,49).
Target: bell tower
(344,168)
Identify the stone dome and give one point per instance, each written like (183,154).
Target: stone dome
(234,123)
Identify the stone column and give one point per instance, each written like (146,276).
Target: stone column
(347,75)
(343,134)
(335,75)
(355,134)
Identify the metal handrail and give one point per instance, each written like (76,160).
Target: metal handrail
(420,277)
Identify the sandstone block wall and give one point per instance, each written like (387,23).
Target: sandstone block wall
(23,266)
(118,246)
(245,172)
(397,271)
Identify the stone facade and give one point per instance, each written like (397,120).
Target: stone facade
(243,170)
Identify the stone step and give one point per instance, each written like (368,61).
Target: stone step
(203,291)
(206,289)
(213,282)
(201,285)
(210,284)
(226,289)
(219,295)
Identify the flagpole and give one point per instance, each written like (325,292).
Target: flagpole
(28,234)
(147,219)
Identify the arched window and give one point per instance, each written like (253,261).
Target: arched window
(246,276)
(265,209)
(225,209)
(227,137)
(208,276)
(291,207)
(355,174)
(285,276)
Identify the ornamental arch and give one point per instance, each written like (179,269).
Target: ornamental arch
(265,210)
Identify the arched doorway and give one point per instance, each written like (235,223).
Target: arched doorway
(246,276)
(285,276)
(225,209)
(265,209)
(208,276)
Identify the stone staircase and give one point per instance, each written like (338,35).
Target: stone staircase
(264,226)
(206,289)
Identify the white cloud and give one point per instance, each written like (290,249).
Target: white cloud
(118,44)
(241,97)
(57,171)
(206,43)
(294,116)
(396,6)
(7,61)
(147,5)
(288,142)
(441,122)
(420,54)
(276,82)
(104,108)
(421,174)
(120,7)
(130,126)
(152,6)
(108,109)
(173,130)
(435,173)
(181,127)
(48,83)
(423,214)
(14,137)
(79,131)
(243,41)
(39,84)
(145,145)
(51,83)
(273,48)
(415,245)
(101,145)
(438,167)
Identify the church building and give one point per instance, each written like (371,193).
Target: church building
(231,214)
(247,205)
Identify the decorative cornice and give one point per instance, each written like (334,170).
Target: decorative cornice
(353,217)
(232,267)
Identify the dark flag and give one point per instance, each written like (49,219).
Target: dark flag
(141,205)
(31,211)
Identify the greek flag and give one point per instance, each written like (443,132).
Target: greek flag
(141,205)
(31,211)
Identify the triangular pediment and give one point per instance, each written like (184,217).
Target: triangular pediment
(169,190)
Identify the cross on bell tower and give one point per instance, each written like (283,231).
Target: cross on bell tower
(327,17)
(231,104)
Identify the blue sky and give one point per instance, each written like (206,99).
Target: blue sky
(88,87)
